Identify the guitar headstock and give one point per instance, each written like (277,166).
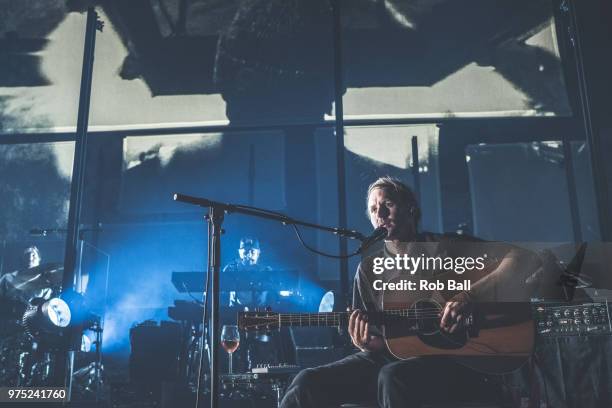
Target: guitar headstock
(258,321)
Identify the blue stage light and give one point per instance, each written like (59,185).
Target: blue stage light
(46,316)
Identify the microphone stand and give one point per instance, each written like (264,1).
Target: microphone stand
(215,217)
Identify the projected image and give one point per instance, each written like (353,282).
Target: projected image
(244,168)
(36,177)
(42,62)
(439,58)
(522,168)
(205,62)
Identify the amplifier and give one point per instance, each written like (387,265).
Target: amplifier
(572,319)
(154,356)
(275,369)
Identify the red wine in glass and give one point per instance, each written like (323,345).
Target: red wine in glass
(230,340)
(230,345)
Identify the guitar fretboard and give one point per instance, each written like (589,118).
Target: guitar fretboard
(330,319)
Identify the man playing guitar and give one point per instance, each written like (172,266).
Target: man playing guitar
(374,373)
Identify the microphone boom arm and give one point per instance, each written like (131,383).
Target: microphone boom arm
(267,214)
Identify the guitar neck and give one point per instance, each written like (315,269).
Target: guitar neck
(327,319)
(269,320)
(334,319)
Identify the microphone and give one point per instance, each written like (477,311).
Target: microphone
(377,235)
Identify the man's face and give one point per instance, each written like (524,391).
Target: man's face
(386,212)
(33,258)
(249,255)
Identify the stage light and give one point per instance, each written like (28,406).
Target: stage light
(58,312)
(327,302)
(48,316)
(285,293)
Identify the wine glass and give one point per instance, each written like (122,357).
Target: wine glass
(230,340)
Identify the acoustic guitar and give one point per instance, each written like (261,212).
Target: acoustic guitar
(497,337)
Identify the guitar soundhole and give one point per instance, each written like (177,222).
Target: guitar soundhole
(427,323)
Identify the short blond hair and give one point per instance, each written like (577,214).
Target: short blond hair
(399,192)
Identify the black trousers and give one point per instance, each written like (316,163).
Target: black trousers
(378,377)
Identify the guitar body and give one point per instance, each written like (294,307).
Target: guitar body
(499,337)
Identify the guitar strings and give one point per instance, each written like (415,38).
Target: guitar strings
(407,313)
(402,313)
(337,318)
(385,313)
(340,316)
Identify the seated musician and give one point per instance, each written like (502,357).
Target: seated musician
(246,277)
(373,373)
(248,284)
(10,283)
